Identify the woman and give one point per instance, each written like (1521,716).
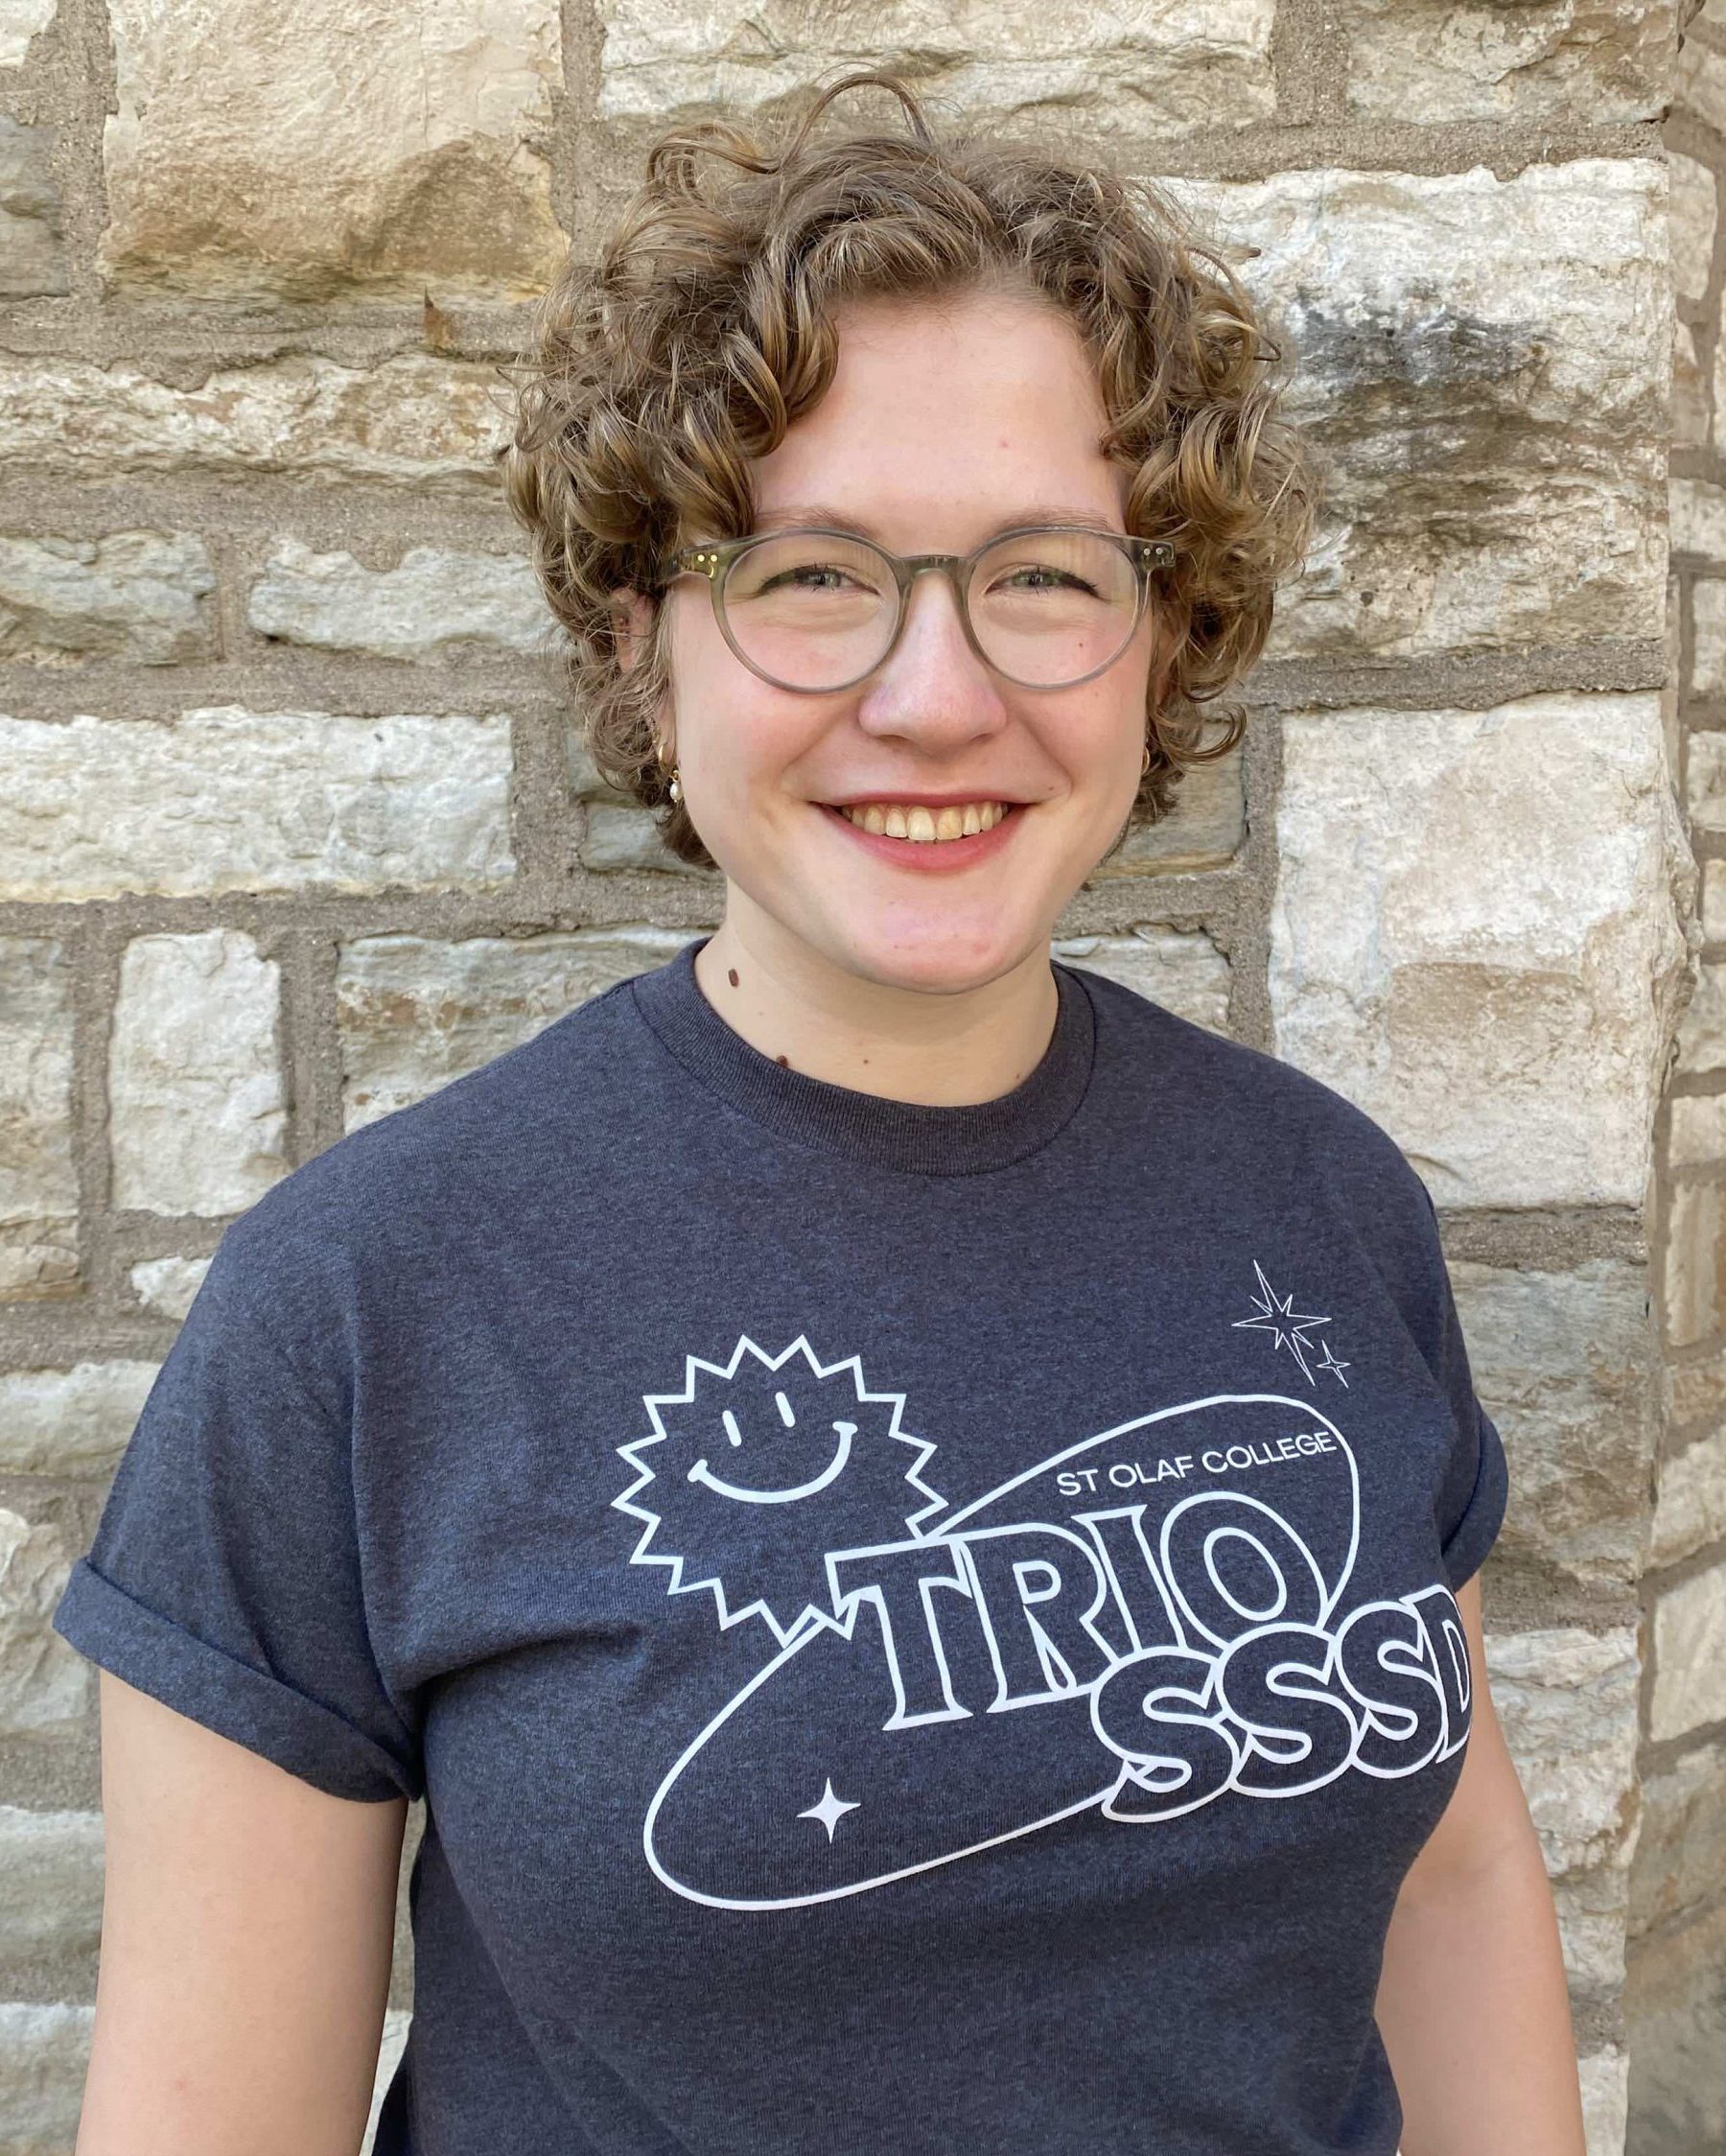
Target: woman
(913,1516)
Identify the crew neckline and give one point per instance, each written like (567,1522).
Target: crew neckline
(916,1136)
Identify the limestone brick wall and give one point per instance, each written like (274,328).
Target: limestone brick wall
(294,824)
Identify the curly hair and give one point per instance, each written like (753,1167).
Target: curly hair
(651,377)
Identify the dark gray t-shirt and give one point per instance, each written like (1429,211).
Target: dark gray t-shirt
(919,1629)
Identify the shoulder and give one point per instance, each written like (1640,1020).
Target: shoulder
(1176,1070)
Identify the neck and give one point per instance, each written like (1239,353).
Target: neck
(939,1046)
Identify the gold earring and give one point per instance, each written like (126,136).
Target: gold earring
(675,789)
(676,786)
(1145,761)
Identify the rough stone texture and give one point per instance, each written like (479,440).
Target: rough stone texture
(1485,363)
(1695,1299)
(617,837)
(1568,1702)
(1503,1009)
(1605,2078)
(33,262)
(409,421)
(1689,1655)
(1108,69)
(433,601)
(38,1183)
(20,20)
(50,1889)
(1564,1362)
(167,1285)
(1692,212)
(1701,1048)
(1681,1848)
(1205,829)
(1180,968)
(1706,779)
(1697,512)
(224,799)
(44,2055)
(197,1113)
(44,1683)
(1708,653)
(1696,1133)
(1690,1511)
(1699,83)
(1676,2004)
(1696,1389)
(140,596)
(414,1014)
(1690,391)
(339,148)
(72,1421)
(1597,59)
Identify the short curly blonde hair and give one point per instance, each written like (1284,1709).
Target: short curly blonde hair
(652,376)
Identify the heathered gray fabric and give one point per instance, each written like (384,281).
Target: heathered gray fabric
(919,1629)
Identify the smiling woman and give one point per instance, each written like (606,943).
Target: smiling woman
(912,1513)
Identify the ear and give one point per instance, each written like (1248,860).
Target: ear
(632,619)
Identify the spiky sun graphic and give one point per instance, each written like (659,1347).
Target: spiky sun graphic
(762,1465)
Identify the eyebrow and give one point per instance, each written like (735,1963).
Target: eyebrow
(798,513)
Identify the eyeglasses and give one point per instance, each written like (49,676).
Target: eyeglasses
(1047,606)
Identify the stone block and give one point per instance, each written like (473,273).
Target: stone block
(45,1684)
(197,1110)
(1692,216)
(1694,1306)
(44,2056)
(1475,937)
(1676,2004)
(415,1014)
(1112,70)
(1567,1700)
(21,20)
(137,596)
(51,1868)
(224,799)
(1689,1655)
(72,1421)
(433,602)
(1702,1028)
(1707,651)
(1590,61)
(38,1179)
(620,837)
(1681,1847)
(1696,1132)
(1180,968)
(1483,365)
(166,1286)
(1689,1510)
(342,149)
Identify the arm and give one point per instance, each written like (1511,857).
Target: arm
(246,1928)
(1473,2003)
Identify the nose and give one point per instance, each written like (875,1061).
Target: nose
(932,687)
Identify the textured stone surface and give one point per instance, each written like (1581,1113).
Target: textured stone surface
(1696,1132)
(1708,652)
(72,1421)
(224,799)
(1689,1655)
(1205,829)
(1714,901)
(1702,1028)
(44,2054)
(1596,60)
(1108,68)
(1696,1388)
(1568,1702)
(618,838)
(140,596)
(1699,83)
(1693,1302)
(1181,969)
(1693,211)
(44,1683)
(167,1285)
(1605,2081)
(1705,777)
(33,262)
(50,1884)
(1676,2004)
(1689,390)
(1681,1846)
(20,20)
(414,1014)
(339,148)
(38,1184)
(1483,364)
(409,421)
(1690,1511)
(197,1113)
(430,602)
(1500,1005)
(1697,511)
(1564,1362)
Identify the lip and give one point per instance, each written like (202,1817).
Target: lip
(931,856)
(912,799)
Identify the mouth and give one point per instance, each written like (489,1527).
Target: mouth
(922,835)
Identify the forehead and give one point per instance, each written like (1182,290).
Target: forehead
(950,418)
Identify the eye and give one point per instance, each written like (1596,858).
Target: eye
(808,576)
(1041,577)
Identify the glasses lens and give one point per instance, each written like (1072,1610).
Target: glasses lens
(1049,607)
(810,610)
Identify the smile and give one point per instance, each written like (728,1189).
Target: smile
(701,1472)
(908,834)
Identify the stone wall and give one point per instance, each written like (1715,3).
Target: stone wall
(1677,1997)
(294,827)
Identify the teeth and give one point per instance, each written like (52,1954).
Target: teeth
(925,826)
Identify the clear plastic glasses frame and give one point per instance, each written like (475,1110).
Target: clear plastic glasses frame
(716,560)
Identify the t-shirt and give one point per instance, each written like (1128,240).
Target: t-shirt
(919,1628)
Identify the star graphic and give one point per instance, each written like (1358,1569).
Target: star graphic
(830,1811)
(1328,1361)
(1276,1317)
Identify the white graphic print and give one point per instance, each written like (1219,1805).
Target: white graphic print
(1276,1315)
(1147,1619)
